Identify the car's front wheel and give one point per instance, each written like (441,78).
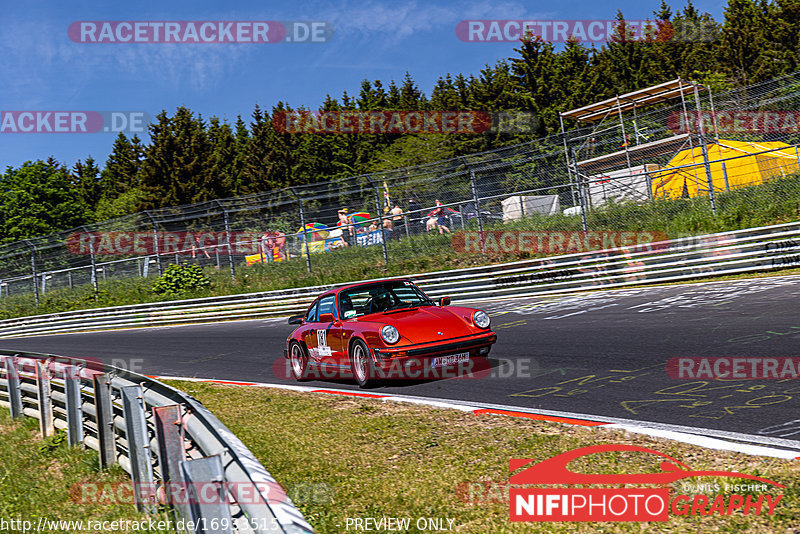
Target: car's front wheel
(361,364)
(299,361)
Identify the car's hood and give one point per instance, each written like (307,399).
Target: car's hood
(422,325)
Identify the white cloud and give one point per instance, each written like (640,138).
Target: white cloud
(398,20)
(39,55)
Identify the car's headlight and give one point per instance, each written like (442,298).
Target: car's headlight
(390,334)
(481,319)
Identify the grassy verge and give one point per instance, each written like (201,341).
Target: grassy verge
(39,479)
(341,458)
(774,202)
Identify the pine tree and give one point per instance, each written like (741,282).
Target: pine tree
(122,166)
(86,177)
(744,43)
(177,164)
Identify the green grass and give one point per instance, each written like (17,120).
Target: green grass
(774,202)
(341,458)
(40,478)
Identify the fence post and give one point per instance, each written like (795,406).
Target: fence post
(704,149)
(105,420)
(226,221)
(568,150)
(582,200)
(211,506)
(475,198)
(380,220)
(14,393)
(45,399)
(72,387)
(303,227)
(138,448)
(155,240)
(33,271)
(725,175)
(93,260)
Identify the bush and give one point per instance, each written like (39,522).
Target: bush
(178,279)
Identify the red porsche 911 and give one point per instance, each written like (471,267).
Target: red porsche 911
(384,329)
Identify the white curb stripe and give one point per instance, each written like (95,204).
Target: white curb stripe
(657,430)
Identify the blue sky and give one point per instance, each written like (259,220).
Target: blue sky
(43,70)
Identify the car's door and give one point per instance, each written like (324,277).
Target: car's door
(310,332)
(322,337)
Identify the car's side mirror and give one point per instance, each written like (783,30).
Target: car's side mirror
(296,319)
(444,301)
(326,318)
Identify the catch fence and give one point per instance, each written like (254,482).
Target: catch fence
(707,155)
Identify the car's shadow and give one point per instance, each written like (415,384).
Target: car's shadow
(475,369)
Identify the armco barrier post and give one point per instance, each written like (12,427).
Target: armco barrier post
(14,393)
(211,506)
(106,442)
(72,386)
(138,448)
(171,455)
(45,400)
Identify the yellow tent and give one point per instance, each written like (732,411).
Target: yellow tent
(672,182)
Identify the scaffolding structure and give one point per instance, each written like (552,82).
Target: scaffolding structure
(630,135)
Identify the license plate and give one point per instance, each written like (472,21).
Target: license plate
(441,361)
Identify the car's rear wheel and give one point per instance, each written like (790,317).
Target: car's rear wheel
(299,361)
(361,364)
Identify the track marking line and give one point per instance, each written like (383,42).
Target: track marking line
(349,393)
(536,416)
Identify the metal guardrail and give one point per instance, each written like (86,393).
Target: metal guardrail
(167,441)
(753,249)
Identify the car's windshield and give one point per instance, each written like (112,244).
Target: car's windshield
(381,297)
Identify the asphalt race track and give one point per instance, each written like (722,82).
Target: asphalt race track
(603,354)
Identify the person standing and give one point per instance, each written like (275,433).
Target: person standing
(397,219)
(441,220)
(346,226)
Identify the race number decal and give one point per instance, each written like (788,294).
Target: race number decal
(322,343)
